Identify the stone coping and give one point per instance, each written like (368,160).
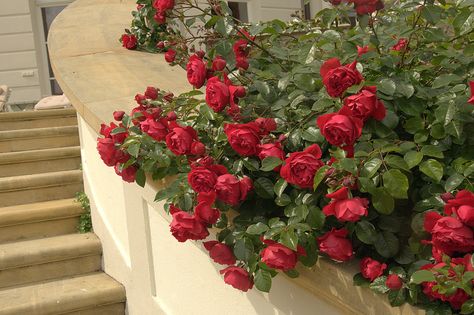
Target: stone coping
(99,76)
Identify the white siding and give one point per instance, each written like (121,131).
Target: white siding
(18,59)
(279,9)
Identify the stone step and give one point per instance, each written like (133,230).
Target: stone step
(24,189)
(49,258)
(38,138)
(40,161)
(37,220)
(37,119)
(79,295)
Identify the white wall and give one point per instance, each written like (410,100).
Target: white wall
(18,61)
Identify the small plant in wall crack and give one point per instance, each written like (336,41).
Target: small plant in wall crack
(85,221)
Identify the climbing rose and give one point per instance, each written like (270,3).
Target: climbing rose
(451,235)
(204,210)
(151,93)
(180,140)
(160,17)
(300,167)
(231,190)
(218,64)
(362,50)
(462,206)
(157,129)
(336,245)
(220,253)
(371,269)
(163,5)
(202,179)
(471,86)
(129,41)
(338,78)
(394,282)
(217,94)
(345,209)
(278,256)
(367,6)
(340,130)
(170,55)
(118,115)
(243,138)
(196,71)
(238,278)
(128,174)
(271,150)
(364,105)
(187,227)
(400,45)
(109,153)
(266,125)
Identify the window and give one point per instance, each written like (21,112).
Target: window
(239,10)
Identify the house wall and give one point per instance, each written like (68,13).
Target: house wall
(18,58)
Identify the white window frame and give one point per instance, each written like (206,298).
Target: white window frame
(41,43)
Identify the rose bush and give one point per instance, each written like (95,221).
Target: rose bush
(346,136)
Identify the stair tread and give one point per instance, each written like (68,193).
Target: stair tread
(38,155)
(62,296)
(50,249)
(39,180)
(32,115)
(39,211)
(7,135)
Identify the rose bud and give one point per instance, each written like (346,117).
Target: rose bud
(447,196)
(238,278)
(168,97)
(336,245)
(151,93)
(170,56)
(200,54)
(220,253)
(172,116)
(197,148)
(140,99)
(160,45)
(394,282)
(118,115)
(371,269)
(218,64)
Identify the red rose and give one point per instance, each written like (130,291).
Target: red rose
(196,71)
(129,41)
(362,50)
(394,282)
(367,6)
(431,217)
(220,253)
(400,45)
(300,167)
(340,130)
(471,86)
(163,5)
(187,227)
(157,129)
(118,115)
(241,49)
(243,138)
(345,209)
(336,245)
(180,140)
(242,63)
(338,78)
(128,174)
(451,235)
(238,278)
(160,17)
(364,105)
(278,256)
(151,93)
(463,206)
(140,99)
(232,191)
(217,94)
(204,210)
(170,55)
(266,125)
(271,150)
(371,269)
(109,153)
(218,64)
(198,148)
(202,179)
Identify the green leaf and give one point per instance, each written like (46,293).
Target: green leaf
(387,244)
(421,276)
(315,218)
(432,150)
(366,232)
(250,164)
(396,183)
(263,280)
(133,149)
(292,273)
(243,249)
(433,169)
(405,89)
(269,163)
(413,158)
(140,177)
(378,285)
(397,297)
(283,200)
(445,79)
(349,165)
(382,201)
(264,188)
(257,228)
(280,186)
(359,280)
(371,167)
(386,86)
(396,162)
(453,182)
(468,307)
(319,176)
(414,124)
(289,238)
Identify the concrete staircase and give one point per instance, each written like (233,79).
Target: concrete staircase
(46,267)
